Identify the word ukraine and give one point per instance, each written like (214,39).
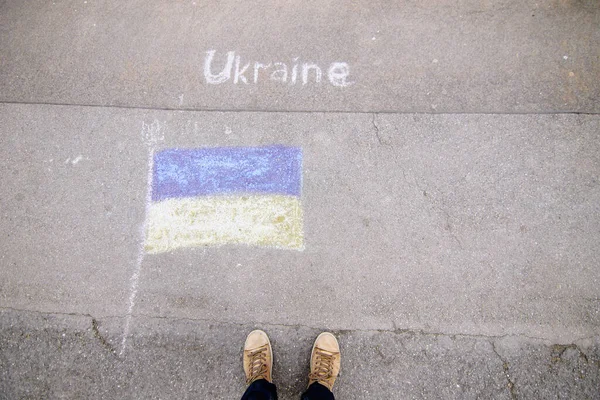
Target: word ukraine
(232,68)
(229,195)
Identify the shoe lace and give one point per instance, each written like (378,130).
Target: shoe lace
(257,364)
(323,365)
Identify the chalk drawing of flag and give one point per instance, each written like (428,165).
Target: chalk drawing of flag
(227,195)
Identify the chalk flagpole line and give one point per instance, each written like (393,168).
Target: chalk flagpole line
(287,182)
(133,281)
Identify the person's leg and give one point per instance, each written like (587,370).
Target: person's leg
(258,363)
(261,389)
(324,368)
(316,391)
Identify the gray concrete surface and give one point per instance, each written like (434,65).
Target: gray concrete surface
(458,224)
(430,225)
(409,56)
(451,198)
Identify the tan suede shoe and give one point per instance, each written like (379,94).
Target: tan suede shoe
(325,360)
(258,357)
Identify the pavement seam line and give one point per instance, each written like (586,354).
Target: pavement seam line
(218,110)
(398,331)
(68,314)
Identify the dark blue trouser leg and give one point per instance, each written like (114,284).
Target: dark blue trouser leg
(316,391)
(264,390)
(261,389)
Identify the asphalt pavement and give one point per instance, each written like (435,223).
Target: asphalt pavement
(450,197)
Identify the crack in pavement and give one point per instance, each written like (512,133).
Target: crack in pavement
(377,135)
(101,338)
(560,349)
(505,367)
(448,226)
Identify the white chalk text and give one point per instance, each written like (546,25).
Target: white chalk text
(230,67)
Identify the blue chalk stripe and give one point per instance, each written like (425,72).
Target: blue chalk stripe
(227,170)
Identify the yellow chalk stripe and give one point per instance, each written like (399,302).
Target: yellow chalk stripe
(263,220)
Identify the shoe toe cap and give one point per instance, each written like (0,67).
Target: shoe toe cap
(256,339)
(327,342)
